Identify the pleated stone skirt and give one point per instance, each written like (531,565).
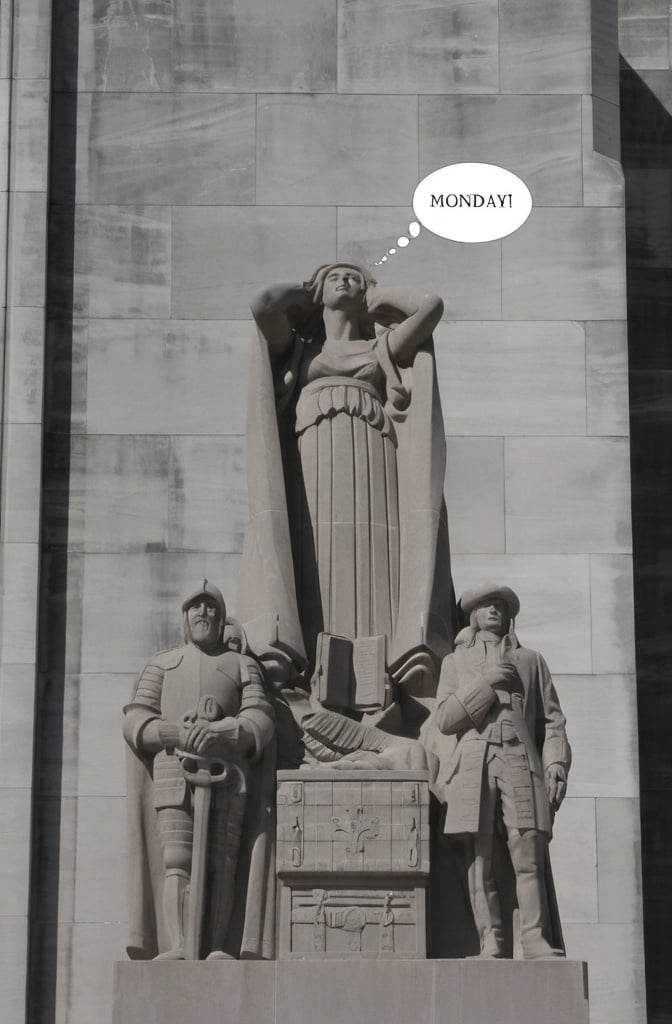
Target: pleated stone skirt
(350,523)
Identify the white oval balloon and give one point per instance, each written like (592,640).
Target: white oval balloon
(472,202)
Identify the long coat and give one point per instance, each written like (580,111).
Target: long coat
(468,708)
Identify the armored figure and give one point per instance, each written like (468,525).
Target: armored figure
(201,731)
(507,775)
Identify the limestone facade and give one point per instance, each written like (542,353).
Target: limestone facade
(185,173)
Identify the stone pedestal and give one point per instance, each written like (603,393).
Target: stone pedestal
(353,863)
(343,991)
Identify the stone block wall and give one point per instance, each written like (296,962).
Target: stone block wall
(201,150)
(24,138)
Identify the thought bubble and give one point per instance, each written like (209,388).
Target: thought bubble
(472,202)
(468,202)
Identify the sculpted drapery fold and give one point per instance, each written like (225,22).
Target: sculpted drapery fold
(348,530)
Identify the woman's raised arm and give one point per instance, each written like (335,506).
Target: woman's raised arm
(269,309)
(422,311)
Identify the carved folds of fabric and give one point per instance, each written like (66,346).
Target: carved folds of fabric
(333,395)
(350,522)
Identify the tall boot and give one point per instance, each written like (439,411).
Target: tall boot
(484,897)
(528,850)
(175,900)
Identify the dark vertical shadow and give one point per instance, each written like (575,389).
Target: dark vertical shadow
(51,673)
(646,134)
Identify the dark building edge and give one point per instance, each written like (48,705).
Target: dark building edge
(47,803)
(646,141)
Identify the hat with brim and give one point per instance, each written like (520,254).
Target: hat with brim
(486,591)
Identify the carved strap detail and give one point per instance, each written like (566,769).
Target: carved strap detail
(387,926)
(319,925)
(414,848)
(297,848)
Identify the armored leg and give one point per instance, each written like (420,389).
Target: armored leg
(175,836)
(226,824)
(528,851)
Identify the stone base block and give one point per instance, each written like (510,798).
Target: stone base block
(342,991)
(325,919)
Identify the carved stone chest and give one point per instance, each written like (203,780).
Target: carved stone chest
(352,862)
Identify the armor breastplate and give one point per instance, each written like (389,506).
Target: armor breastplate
(202,675)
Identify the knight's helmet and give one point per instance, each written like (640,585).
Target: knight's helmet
(210,591)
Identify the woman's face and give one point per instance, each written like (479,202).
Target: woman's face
(343,288)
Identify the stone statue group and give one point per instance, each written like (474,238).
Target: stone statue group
(349,653)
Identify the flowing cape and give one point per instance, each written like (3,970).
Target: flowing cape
(267,601)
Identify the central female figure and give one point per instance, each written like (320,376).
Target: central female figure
(361,451)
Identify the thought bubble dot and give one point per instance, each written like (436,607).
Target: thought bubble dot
(403,241)
(391,252)
(414,229)
(383,259)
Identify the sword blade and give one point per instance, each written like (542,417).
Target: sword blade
(199,858)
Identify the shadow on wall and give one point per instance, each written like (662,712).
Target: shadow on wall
(646,140)
(50,710)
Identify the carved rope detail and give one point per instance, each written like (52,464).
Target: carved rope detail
(414,849)
(297,849)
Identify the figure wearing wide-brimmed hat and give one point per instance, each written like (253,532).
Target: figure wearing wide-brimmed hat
(508,773)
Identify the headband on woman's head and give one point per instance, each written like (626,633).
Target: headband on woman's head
(317,278)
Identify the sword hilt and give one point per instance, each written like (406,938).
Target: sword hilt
(211,771)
